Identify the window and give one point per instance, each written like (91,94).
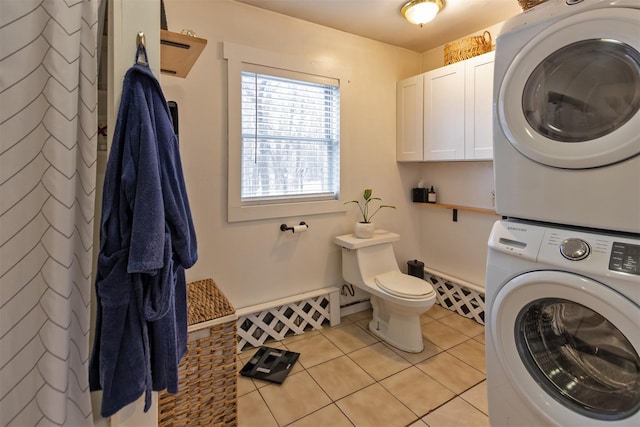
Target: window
(290,137)
(284,135)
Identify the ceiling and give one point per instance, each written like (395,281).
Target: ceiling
(381,19)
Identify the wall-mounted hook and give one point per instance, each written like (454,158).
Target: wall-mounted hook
(141,40)
(141,49)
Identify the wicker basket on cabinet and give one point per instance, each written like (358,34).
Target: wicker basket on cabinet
(207,374)
(466,48)
(528,4)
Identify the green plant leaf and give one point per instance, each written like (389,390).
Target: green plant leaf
(364,207)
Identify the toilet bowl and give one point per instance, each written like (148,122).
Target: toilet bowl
(397,299)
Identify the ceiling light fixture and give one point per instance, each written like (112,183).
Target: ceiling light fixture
(420,12)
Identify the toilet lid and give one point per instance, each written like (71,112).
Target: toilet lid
(403,285)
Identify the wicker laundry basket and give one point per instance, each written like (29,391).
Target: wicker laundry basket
(207,375)
(528,4)
(466,48)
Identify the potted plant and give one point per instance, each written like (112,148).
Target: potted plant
(364,228)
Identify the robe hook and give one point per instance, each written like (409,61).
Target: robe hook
(141,48)
(141,41)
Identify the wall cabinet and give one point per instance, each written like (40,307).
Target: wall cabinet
(478,114)
(443,124)
(451,117)
(409,119)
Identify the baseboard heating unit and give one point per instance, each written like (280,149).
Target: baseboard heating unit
(465,298)
(291,315)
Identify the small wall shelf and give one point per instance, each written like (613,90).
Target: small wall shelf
(178,52)
(456,208)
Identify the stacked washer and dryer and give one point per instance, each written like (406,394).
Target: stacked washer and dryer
(563,267)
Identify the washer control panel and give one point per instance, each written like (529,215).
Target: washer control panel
(625,257)
(584,251)
(574,249)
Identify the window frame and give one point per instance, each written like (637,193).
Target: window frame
(237,55)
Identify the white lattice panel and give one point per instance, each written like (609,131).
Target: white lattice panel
(287,317)
(450,295)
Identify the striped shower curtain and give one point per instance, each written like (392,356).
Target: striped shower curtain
(48,133)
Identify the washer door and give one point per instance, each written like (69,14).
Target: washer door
(570,98)
(570,346)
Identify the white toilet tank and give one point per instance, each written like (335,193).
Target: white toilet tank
(363,259)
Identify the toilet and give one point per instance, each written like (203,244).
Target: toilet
(397,299)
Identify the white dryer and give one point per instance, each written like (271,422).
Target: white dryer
(567,114)
(562,326)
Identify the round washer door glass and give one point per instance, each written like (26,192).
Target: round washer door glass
(583,91)
(579,358)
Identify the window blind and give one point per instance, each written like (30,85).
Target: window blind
(290,138)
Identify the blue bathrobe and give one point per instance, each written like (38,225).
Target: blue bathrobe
(147,239)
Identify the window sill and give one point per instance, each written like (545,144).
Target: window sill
(283,210)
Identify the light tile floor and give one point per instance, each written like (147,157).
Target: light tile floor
(346,376)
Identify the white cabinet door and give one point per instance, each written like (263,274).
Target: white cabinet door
(478,130)
(444,113)
(409,119)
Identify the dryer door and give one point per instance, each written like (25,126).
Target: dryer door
(570,345)
(571,97)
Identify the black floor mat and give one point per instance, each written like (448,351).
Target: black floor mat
(270,364)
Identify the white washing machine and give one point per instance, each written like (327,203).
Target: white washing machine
(567,120)
(562,326)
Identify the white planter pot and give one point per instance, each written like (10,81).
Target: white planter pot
(364,230)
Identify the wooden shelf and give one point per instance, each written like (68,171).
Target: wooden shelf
(460,208)
(178,52)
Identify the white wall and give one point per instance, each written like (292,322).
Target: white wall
(457,248)
(254,262)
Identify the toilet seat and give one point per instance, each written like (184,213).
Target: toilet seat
(403,285)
